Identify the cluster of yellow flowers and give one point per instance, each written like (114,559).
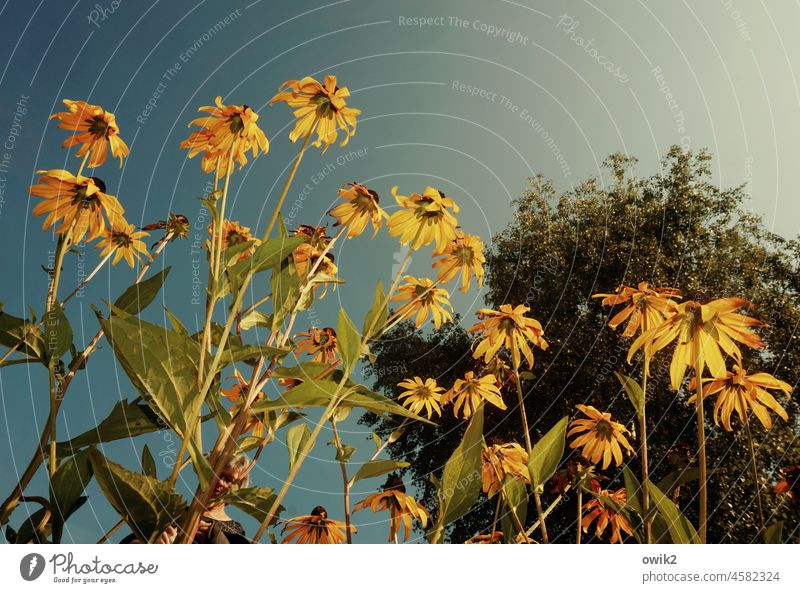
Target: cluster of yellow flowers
(80,203)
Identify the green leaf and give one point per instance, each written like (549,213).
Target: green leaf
(634,391)
(678,478)
(285,290)
(377,440)
(461,479)
(318,393)
(266,256)
(680,529)
(176,323)
(517,499)
(377,467)
(377,314)
(345,454)
(148,463)
(256,502)
(349,341)
(138,296)
(162,364)
(774,533)
(57,332)
(12,329)
(67,486)
(147,504)
(633,489)
(547,453)
(296,438)
(126,420)
(255,319)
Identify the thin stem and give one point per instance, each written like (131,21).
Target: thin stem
(112,531)
(82,284)
(83,163)
(288,181)
(345,481)
(549,510)
(579,532)
(701,448)
(756,484)
(496,516)
(536,496)
(645,467)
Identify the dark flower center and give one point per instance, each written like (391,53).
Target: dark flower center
(98,126)
(604,429)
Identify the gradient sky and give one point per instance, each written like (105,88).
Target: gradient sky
(474,98)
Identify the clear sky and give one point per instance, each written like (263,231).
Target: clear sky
(473,96)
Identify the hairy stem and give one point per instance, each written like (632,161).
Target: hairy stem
(345,481)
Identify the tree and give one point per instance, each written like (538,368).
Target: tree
(673,228)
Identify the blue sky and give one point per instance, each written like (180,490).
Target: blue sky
(472,96)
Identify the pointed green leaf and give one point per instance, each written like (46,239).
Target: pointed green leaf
(461,479)
(285,290)
(633,489)
(774,533)
(148,463)
(138,296)
(296,438)
(377,314)
(12,330)
(634,391)
(547,453)
(148,505)
(266,256)
(68,484)
(255,319)
(516,498)
(349,341)
(57,332)
(680,529)
(377,467)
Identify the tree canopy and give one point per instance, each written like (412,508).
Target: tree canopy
(672,228)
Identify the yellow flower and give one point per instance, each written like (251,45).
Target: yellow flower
(463,255)
(321,343)
(472,391)
(400,505)
(503,460)
(125,241)
(321,104)
(176,226)
(421,394)
(423,297)
(360,207)
(738,391)
(424,218)
(305,257)
(79,200)
(226,126)
(510,328)
(237,394)
(95,130)
(234,233)
(605,515)
(645,307)
(601,438)
(701,330)
(315,528)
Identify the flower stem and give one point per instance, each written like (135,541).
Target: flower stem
(288,181)
(536,496)
(496,516)
(112,531)
(346,482)
(755,478)
(701,449)
(578,532)
(645,467)
(82,284)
